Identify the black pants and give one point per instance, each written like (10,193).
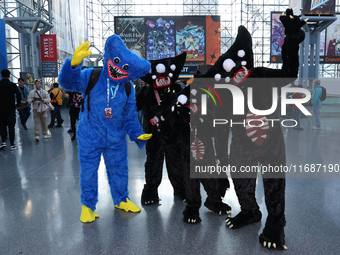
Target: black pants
(74,115)
(24,115)
(7,119)
(157,148)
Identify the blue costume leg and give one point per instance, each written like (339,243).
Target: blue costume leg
(89,159)
(117,172)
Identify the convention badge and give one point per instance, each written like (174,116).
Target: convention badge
(108,113)
(76,105)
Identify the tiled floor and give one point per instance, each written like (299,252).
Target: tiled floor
(40,204)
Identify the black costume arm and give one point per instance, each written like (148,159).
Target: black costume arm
(290,52)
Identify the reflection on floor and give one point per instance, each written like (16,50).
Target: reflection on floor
(40,205)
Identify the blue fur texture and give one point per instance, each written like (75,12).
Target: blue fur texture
(98,135)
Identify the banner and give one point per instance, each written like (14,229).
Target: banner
(70,25)
(3,51)
(276,38)
(132,32)
(48,47)
(158,37)
(331,45)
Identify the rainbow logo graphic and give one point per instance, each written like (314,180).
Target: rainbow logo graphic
(210,94)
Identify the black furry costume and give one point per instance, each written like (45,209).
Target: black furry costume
(247,148)
(198,148)
(156,101)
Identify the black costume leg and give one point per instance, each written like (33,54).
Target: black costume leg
(274,189)
(174,167)
(213,201)
(244,185)
(153,169)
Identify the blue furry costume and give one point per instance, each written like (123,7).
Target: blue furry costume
(100,135)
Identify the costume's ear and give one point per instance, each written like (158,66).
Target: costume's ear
(239,55)
(181,59)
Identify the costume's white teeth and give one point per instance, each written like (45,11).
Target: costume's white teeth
(163,82)
(115,72)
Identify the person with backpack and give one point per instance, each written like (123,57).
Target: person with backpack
(57,101)
(317,103)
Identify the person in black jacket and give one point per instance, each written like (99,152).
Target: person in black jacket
(8,91)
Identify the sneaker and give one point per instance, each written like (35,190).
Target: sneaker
(70,131)
(316,128)
(3,145)
(58,126)
(13,147)
(24,127)
(73,137)
(298,128)
(37,138)
(45,136)
(50,126)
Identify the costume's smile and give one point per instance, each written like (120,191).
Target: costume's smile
(115,72)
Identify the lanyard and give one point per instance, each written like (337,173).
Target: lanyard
(115,88)
(157,97)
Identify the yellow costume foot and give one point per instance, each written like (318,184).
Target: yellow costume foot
(128,206)
(87,215)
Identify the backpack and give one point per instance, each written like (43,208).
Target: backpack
(323,94)
(93,81)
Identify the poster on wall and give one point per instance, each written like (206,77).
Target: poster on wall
(276,38)
(190,38)
(213,35)
(160,38)
(132,32)
(318,7)
(155,37)
(332,43)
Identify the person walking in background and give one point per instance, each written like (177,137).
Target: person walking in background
(57,101)
(8,91)
(24,109)
(39,96)
(317,103)
(297,111)
(75,100)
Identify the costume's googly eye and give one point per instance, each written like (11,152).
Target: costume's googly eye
(217,77)
(228,64)
(194,101)
(193,92)
(227,79)
(126,67)
(154,77)
(170,75)
(173,67)
(241,53)
(182,99)
(160,68)
(116,60)
(243,63)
